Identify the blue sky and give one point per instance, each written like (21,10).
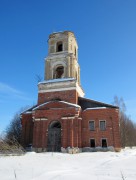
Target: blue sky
(106,36)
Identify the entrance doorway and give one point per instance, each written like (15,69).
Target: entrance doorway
(54,137)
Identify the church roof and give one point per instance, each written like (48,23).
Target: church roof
(63,102)
(29,110)
(35,107)
(84,103)
(89,103)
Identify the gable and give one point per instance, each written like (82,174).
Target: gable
(55,105)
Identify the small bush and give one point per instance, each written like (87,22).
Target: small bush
(10,149)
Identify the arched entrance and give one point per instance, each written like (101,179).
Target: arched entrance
(54,137)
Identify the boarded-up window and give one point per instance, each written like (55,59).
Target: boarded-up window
(102,125)
(91,125)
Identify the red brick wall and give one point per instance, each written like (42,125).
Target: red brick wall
(112,127)
(70,128)
(70,133)
(27,129)
(55,114)
(68,96)
(74,132)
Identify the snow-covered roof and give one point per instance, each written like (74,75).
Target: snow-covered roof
(41,105)
(95,108)
(71,104)
(28,110)
(89,103)
(57,80)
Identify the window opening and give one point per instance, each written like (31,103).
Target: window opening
(92,143)
(55,124)
(59,72)
(91,125)
(59,47)
(75,51)
(102,125)
(104,143)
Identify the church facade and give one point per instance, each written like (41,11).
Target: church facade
(63,120)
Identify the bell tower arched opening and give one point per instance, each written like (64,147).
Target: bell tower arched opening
(59,46)
(58,72)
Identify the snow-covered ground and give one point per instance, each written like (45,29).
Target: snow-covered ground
(58,166)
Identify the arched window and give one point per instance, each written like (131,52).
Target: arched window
(58,73)
(55,124)
(59,46)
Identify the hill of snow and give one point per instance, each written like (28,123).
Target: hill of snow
(58,166)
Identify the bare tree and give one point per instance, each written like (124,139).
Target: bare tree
(127,126)
(13,130)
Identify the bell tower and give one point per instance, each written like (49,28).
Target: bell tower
(62,59)
(62,71)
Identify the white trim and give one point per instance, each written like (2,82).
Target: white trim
(95,108)
(56,80)
(40,105)
(62,84)
(40,119)
(28,112)
(44,119)
(63,102)
(68,117)
(80,92)
(72,104)
(37,119)
(58,89)
(61,54)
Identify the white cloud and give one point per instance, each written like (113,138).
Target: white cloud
(8,91)
(4,88)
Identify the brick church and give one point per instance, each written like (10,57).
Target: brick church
(63,120)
